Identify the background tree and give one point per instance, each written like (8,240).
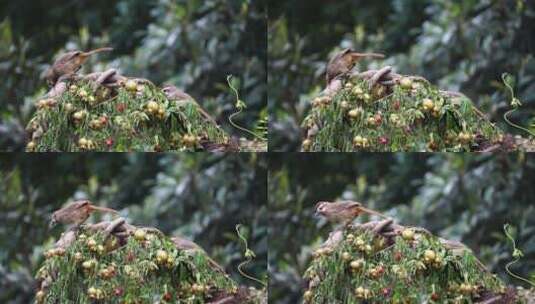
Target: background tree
(460,197)
(199,196)
(193,44)
(460,46)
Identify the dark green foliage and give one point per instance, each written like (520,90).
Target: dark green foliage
(142,271)
(363,267)
(417,118)
(142,119)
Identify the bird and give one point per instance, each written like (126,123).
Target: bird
(76,213)
(183,98)
(69,63)
(187,245)
(344,61)
(343,211)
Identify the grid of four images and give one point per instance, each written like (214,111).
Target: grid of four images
(253,151)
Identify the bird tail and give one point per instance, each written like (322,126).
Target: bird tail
(104,49)
(104,209)
(372,55)
(369,211)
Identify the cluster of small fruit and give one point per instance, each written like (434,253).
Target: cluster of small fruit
(372,265)
(145,257)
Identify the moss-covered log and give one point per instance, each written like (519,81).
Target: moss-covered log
(384,111)
(382,262)
(114,262)
(109,112)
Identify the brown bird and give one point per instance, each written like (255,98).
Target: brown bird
(76,213)
(183,98)
(69,63)
(187,245)
(344,61)
(343,212)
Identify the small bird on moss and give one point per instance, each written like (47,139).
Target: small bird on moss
(69,63)
(183,98)
(76,213)
(343,211)
(187,245)
(344,61)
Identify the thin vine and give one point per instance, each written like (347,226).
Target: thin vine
(517,254)
(515,103)
(249,256)
(240,105)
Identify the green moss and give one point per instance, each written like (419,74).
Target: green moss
(139,274)
(363,268)
(121,120)
(357,118)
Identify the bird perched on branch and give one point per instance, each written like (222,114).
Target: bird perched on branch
(69,63)
(183,98)
(343,212)
(77,213)
(344,61)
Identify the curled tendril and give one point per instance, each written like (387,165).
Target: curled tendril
(249,256)
(517,254)
(515,103)
(240,105)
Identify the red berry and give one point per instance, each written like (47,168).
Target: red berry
(167,296)
(435,296)
(383,140)
(120,107)
(396,105)
(118,291)
(109,142)
(397,256)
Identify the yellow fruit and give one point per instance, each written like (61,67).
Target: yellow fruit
(346,256)
(78,115)
(357,91)
(40,296)
(344,105)
(408,234)
(356,264)
(139,235)
(306,144)
(161,256)
(307,296)
(428,104)
(429,255)
(405,83)
(31,146)
(130,85)
(69,107)
(152,106)
(82,142)
(87,264)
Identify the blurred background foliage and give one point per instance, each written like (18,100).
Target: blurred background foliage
(199,196)
(458,45)
(193,44)
(456,196)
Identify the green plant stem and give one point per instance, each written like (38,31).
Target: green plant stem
(512,124)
